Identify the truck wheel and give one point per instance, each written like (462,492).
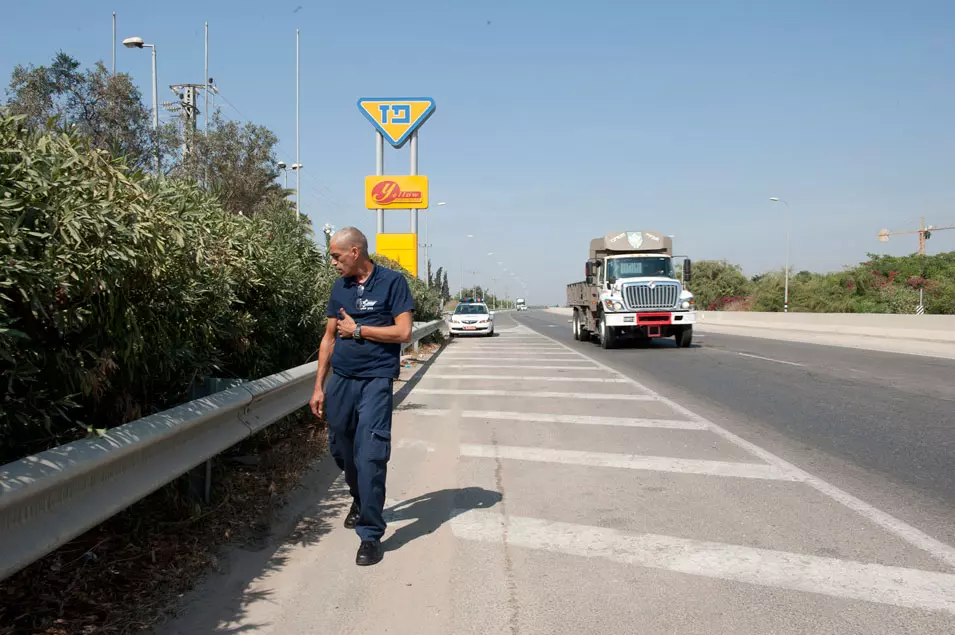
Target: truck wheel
(607,338)
(580,333)
(685,337)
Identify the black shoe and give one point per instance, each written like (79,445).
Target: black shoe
(369,553)
(352,518)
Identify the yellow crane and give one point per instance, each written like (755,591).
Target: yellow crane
(924,232)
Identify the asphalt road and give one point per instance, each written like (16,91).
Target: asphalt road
(884,422)
(540,486)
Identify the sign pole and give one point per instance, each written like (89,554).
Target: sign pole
(380,170)
(414,171)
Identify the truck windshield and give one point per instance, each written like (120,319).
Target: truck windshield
(639,268)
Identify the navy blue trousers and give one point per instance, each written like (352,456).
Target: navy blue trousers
(359,434)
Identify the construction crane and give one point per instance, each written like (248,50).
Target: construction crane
(924,232)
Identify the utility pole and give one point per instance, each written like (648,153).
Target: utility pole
(187,105)
(298,156)
(114,44)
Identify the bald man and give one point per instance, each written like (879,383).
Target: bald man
(369,316)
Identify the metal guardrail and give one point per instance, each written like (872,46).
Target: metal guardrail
(48,499)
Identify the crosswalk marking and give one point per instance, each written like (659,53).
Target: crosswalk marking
(585,420)
(465,392)
(575,366)
(629,461)
(883,584)
(912,535)
(594,380)
(536,357)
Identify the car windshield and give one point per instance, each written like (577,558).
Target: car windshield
(639,268)
(470,309)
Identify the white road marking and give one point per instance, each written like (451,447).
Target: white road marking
(629,461)
(504,349)
(915,537)
(484,358)
(498,353)
(586,420)
(466,392)
(417,444)
(440,364)
(896,586)
(769,359)
(595,380)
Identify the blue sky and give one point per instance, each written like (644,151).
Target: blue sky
(560,121)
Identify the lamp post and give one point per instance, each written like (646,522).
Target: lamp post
(462,266)
(776,199)
(427,244)
(137,43)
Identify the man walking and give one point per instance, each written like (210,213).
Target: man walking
(369,316)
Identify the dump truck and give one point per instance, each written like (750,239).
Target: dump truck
(631,291)
(521,304)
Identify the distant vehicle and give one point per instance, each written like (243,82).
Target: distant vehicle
(521,304)
(471,318)
(631,291)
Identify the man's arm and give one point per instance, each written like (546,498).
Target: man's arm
(399,333)
(324,363)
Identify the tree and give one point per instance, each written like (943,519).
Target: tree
(437,282)
(445,287)
(238,161)
(715,282)
(105,108)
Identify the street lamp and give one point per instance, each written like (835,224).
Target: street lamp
(137,43)
(286,168)
(427,244)
(776,199)
(462,265)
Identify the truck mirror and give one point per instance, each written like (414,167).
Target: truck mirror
(687,270)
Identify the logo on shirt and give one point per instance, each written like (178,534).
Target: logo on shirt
(365,305)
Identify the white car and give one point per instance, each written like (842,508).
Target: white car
(471,318)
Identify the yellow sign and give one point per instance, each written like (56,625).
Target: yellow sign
(402,248)
(396,192)
(396,119)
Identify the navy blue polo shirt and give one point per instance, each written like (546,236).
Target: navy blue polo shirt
(384,295)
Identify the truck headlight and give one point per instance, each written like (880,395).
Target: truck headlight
(688,304)
(613,305)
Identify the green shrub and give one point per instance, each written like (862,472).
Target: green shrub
(119,290)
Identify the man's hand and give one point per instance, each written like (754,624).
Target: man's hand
(346,324)
(317,403)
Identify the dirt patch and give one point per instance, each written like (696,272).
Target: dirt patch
(123,575)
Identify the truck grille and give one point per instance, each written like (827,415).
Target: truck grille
(663,295)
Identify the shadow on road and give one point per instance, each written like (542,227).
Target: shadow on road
(432,510)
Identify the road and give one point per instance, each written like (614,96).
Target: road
(538,485)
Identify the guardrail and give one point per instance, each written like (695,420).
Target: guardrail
(48,499)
